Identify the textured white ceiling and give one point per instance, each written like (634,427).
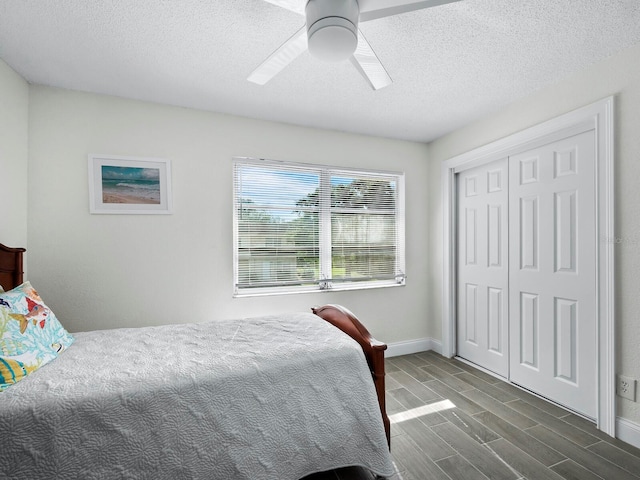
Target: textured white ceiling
(450,64)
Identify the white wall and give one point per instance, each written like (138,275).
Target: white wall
(620,76)
(14,108)
(103,271)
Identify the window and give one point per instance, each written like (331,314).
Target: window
(304,227)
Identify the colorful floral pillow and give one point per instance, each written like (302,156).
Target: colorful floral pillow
(30,334)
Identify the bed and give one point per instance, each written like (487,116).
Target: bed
(275,397)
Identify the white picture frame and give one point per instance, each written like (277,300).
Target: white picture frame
(129,185)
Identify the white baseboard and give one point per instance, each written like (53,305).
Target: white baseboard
(413,346)
(628,431)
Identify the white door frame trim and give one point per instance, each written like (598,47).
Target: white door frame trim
(598,116)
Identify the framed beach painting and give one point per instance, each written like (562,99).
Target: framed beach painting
(129,185)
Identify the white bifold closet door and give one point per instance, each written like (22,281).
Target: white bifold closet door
(483,263)
(527,270)
(552,275)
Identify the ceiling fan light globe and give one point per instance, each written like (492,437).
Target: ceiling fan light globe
(332,39)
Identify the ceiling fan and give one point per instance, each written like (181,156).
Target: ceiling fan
(331,34)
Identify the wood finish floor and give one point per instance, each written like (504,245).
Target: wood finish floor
(450,421)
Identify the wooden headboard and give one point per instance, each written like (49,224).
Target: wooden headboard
(11,272)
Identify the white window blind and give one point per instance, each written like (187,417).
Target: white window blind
(301,227)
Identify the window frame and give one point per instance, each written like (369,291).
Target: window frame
(325,173)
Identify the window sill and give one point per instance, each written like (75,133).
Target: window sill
(303,290)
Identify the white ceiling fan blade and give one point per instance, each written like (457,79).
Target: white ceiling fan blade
(279,59)
(368,64)
(297,6)
(372,9)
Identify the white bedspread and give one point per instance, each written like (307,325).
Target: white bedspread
(268,398)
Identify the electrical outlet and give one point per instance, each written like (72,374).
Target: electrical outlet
(626,388)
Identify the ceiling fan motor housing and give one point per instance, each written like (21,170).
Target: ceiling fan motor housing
(332,28)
